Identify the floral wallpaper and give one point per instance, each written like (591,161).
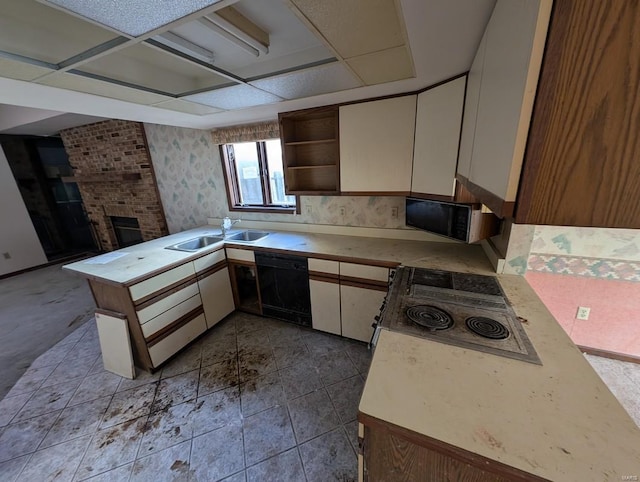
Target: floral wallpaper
(191,184)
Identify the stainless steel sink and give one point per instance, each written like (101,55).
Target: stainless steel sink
(196,244)
(248,236)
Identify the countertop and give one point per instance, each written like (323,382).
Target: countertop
(142,260)
(558,421)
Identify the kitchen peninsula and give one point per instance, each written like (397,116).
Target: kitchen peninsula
(429,404)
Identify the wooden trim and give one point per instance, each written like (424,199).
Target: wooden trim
(50,263)
(266,209)
(500,207)
(609,354)
(240,261)
(462,195)
(375,193)
(324,277)
(211,270)
(431,197)
(475,460)
(113,314)
(169,290)
(160,335)
(364,283)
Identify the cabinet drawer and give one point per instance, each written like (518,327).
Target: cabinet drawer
(164,319)
(363,271)
(209,260)
(324,266)
(164,304)
(170,345)
(240,254)
(161,281)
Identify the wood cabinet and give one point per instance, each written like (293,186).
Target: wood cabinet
(376,146)
(215,287)
(582,164)
(501,89)
(437,135)
(310,151)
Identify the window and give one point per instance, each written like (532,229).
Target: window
(255,177)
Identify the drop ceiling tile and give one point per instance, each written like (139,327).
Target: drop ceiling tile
(235,97)
(101,88)
(13,69)
(153,68)
(356,27)
(384,66)
(187,107)
(40,32)
(133,17)
(306,83)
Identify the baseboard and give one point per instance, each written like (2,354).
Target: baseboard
(609,354)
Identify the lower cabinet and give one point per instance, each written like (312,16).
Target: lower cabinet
(216,295)
(164,348)
(359,306)
(325,305)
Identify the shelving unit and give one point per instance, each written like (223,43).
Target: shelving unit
(311,151)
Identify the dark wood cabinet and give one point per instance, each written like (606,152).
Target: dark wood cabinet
(311,151)
(582,161)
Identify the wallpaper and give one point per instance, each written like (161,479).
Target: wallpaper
(191,184)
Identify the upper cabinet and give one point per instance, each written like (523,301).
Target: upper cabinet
(582,166)
(376,146)
(435,150)
(311,152)
(500,94)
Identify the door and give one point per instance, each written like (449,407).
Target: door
(217,297)
(359,308)
(325,306)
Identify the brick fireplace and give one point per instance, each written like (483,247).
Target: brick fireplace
(113,169)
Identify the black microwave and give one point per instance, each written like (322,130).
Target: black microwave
(464,222)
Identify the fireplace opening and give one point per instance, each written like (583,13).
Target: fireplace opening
(127,231)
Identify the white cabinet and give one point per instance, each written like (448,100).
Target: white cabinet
(500,94)
(376,146)
(164,348)
(435,150)
(325,305)
(359,306)
(217,298)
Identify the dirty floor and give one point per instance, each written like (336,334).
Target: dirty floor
(254,399)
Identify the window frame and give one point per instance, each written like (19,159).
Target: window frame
(233,187)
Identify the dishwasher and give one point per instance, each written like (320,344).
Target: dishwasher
(284,287)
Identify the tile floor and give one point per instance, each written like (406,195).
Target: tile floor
(253,400)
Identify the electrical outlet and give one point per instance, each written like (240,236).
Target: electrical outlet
(583,313)
(308,209)
(342,211)
(394,213)
(6,255)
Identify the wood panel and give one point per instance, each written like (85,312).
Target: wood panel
(582,161)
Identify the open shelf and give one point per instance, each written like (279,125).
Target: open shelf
(311,150)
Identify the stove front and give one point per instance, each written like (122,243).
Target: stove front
(460,309)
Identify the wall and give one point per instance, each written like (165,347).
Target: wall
(191,184)
(115,147)
(592,267)
(17,236)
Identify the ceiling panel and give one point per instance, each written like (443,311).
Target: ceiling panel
(44,33)
(148,67)
(133,17)
(355,27)
(236,97)
(20,70)
(104,89)
(187,107)
(319,80)
(384,66)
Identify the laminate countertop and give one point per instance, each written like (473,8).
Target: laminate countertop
(143,260)
(558,421)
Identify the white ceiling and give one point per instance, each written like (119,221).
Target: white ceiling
(313,59)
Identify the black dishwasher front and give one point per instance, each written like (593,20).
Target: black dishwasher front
(284,287)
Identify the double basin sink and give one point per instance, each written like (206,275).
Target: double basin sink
(202,242)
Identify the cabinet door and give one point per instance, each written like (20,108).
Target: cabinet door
(217,298)
(359,306)
(376,146)
(325,306)
(435,151)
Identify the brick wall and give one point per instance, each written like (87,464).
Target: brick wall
(100,155)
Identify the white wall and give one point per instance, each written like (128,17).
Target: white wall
(17,235)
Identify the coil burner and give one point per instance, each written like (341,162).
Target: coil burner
(430,317)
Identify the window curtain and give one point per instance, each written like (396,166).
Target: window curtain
(246,133)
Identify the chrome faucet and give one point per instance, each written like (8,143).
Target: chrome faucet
(226,225)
